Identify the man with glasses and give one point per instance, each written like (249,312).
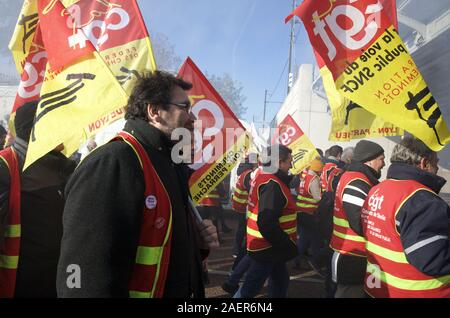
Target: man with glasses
(128,222)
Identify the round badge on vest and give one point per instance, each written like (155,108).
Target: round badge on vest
(151,202)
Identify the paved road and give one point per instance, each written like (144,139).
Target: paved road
(305,283)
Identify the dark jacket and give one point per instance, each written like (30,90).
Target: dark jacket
(423,222)
(42,204)
(352,269)
(102,219)
(270,206)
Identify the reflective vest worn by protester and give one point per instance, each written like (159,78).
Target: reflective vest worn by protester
(211,199)
(239,200)
(287,220)
(153,252)
(343,239)
(305,200)
(388,272)
(10,250)
(329,172)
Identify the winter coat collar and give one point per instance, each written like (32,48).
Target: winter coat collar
(334,160)
(401,171)
(148,135)
(369,172)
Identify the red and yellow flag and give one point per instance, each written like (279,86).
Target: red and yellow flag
(72,96)
(371,66)
(220,138)
(290,134)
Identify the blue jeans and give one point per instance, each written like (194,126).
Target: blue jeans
(239,270)
(257,275)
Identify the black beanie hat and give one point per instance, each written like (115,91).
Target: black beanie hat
(23,122)
(366,150)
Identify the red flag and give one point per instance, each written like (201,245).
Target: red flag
(354,26)
(61,46)
(221,139)
(105,24)
(33,72)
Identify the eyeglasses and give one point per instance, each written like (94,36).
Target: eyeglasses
(182,105)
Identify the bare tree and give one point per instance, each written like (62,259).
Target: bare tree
(231,92)
(164,52)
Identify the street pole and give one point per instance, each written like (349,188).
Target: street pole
(291,48)
(265,104)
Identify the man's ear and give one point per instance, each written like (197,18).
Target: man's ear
(424,162)
(153,114)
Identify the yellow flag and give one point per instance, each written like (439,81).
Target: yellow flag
(70,100)
(371,65)
(23,35)
(290,134)
(351,121)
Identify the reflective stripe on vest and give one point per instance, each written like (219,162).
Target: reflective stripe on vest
(305,201)
(153,251)
(388,272)
(10,251)
(239,199)
(211,199)
(287,220)
(344,240)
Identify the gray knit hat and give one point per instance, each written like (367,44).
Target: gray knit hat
(366,150)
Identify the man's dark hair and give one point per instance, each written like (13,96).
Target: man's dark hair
(283,153)
(3,131)
(320,151)
(335,151)
(153,89)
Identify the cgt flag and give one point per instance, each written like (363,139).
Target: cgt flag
(290,134)
(72,96)
(117,31)
(370,65)
(220,139)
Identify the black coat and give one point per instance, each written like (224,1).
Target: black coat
(102,219)
(42,204)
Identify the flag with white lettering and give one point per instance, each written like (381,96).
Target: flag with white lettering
(290,134)
(72,95)
(371,66)
(220,139)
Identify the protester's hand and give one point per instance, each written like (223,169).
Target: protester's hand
(208,232)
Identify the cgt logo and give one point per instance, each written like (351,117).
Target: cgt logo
(375,201)
(115,19)
(363,25)
(286,137)
(33,77)
(203,142)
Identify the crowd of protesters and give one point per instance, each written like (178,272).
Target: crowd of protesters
(122,222)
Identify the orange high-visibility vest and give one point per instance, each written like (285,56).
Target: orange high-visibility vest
(153,252)
(329,172)
(239,200)
(10,250)
(305,201)
(287,220)
(211,199)
(344,240)
(388,272)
